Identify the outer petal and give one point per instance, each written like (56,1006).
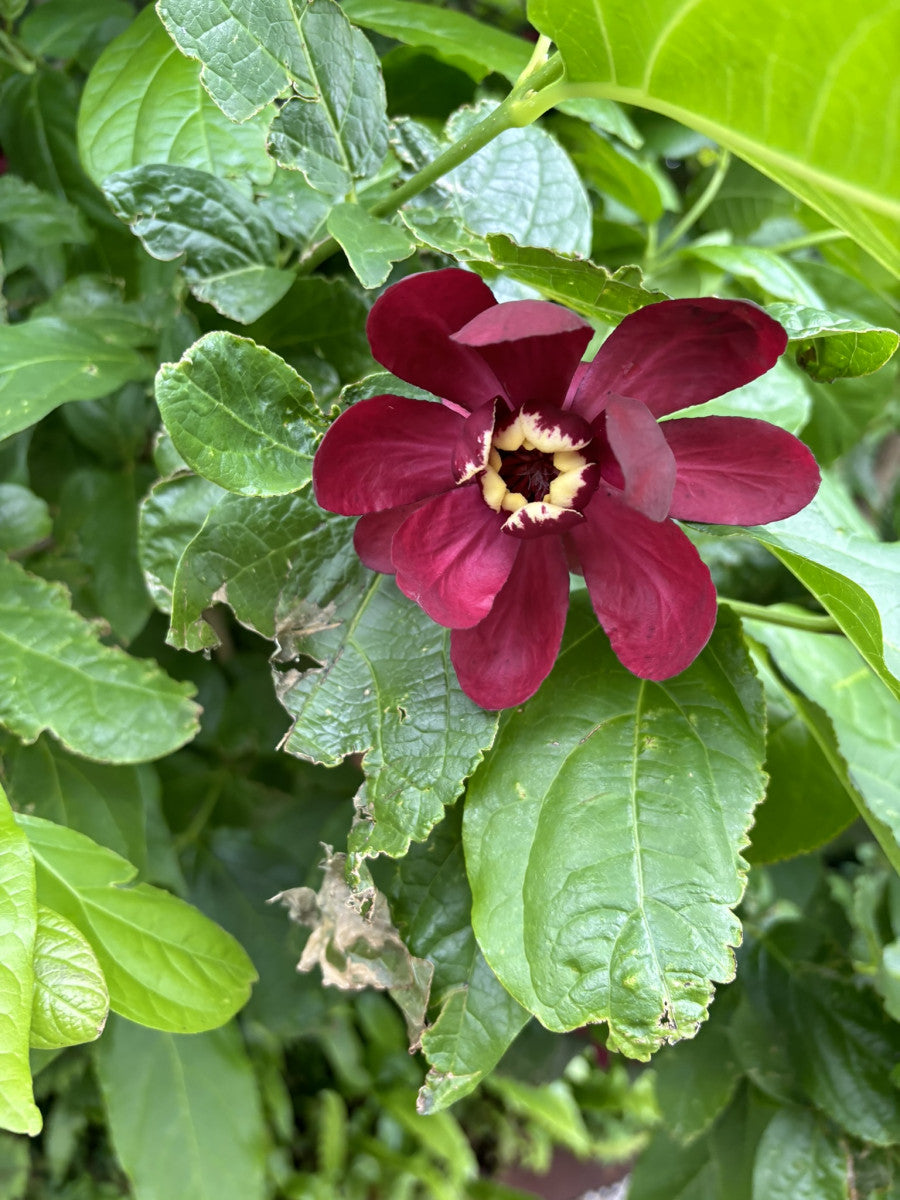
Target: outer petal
(409,331)
(533,346)
(681,352)
(374,534)
(505,659)
(385,452)
(738,471)
(452,557)
(650,589)
(648,465)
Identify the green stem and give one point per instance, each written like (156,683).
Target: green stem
(16,55)
(699,207)
(775,614)
(511,113)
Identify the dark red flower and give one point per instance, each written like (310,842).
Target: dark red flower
(535,463)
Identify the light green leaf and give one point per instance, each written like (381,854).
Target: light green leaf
(24,518)
(241,555)
(227,243)
(551,1107)
(240,416)
(828,346)
(816,121)
(56,674)
(200,1098)
(385,689)
(171,515)
(846,410)
(797,1159)
(614,170)
(372,247)
(250,53)
(471,45)
(603,838)
(342,135)
(166,965)
(852,576)
(48,361)
(70,997)
(143,103)
(809,799)
(477,1018)
(18,929)
(34,219)
(295,209)
(776,276)
(865,716)
(522,184)
(780,396)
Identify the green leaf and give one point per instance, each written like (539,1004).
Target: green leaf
(522,184)
(117,806)
(18,930)
(477,1019)
(795,115)
(809,799)
(551,1107)
(48,361)
(669,1171)
(385,689)
(227,243)
(143,103)
(613,170)
(776,276)
(603,838)
(372,247)
(342,135)
(241,555)
(865,716)
(476,47)
(250,53)
(199,1097)
(60,28)
(56,674)
(240,416)
(696,1080)
(846,410)
(70,997)
(166,965)
(797,1160)
(853,577)
(780,396)
(35,219)
(24,518)
(171,515)
(829,347)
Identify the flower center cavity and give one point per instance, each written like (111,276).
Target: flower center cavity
(528,472)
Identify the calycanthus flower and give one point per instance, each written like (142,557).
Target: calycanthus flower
(535,464)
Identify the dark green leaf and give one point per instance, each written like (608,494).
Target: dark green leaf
(341,136)
(34,219)
(199,1097)
(696,1079)
(171,516)
(227,243)
(603,838)
(250,53)
(56,674)
(60,28)
(48,361)
(472,45)
(815,144)
(669,1171)
(372,247)
(18,930)
(828,346)
(24,518)
(477,1019)
(240,416)
(614,171)
(144,103)
(166,965)
(385,689)
(70,997)
(797,1159)
(844,412)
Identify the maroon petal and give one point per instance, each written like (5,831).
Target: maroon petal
(452,558)
(505,659)
(385,452)
(650,589)
(533,347)
(738,471)
(409,331)
(473,443)
(681,352)
(539,518)
(374,534)
(648,465)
